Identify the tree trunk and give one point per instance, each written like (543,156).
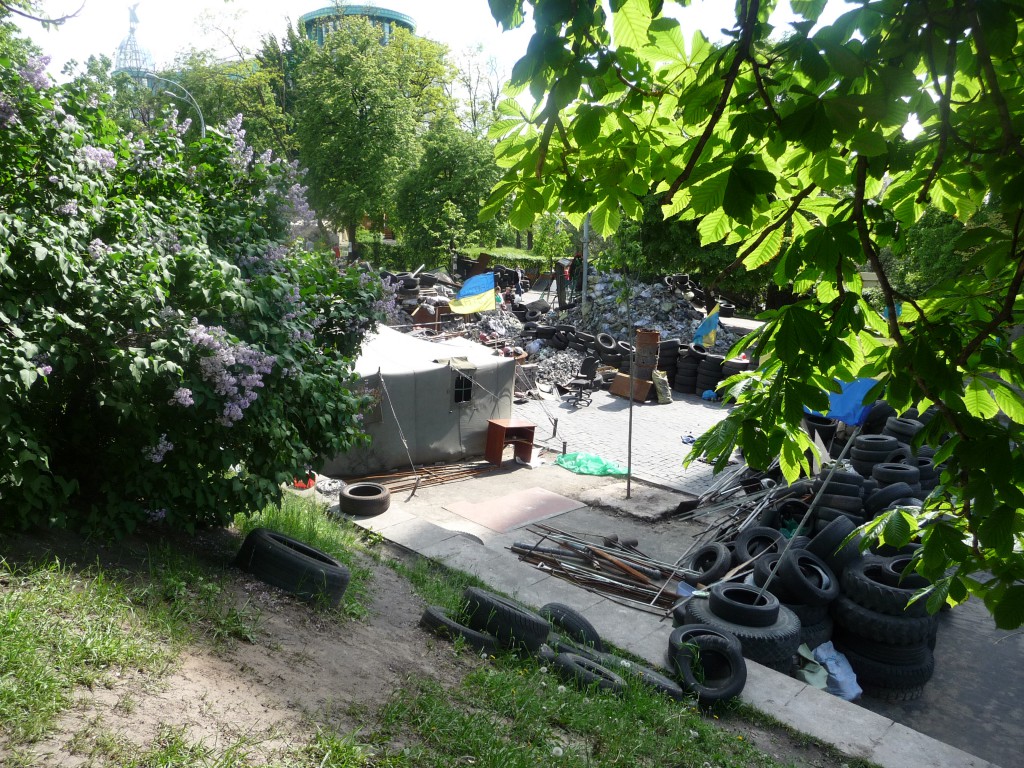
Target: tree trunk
(350,230)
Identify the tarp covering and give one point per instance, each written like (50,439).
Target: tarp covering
(439,395)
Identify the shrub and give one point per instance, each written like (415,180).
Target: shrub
(164,351)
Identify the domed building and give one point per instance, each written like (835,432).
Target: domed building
(130,57)
(319,24)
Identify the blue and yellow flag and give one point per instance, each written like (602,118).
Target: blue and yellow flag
(477,295)
(708,329)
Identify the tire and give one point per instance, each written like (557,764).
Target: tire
(814,635)
(896,572)
(894,630)
(838,489)
(687,632)
(757,540)
(904,429)
(827,545)
(875,443)
(889,473)
(846,503)
(364,499)
(863,467)
(512,623)
(743,604)
(763,568)
(883,497)
(773,646)
(863,583)
(807,577)
(902,655)
(533,315)
(711,561)
(649,677)
(711,668)
(698,351)
(606,342)
(572,623)
(894,695)
(828,514)
(878,674)
(561,644)
(871,456)
(586,672)
(436,619)
(808,614)
(840,476)
(295,567)
(559,341)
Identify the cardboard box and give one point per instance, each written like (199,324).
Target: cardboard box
(641,387)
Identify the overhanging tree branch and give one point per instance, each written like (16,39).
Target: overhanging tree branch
(870,250)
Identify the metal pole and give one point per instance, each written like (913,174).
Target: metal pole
(586,258)
(188,97)
(632,383)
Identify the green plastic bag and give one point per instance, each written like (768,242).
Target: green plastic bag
(588,464)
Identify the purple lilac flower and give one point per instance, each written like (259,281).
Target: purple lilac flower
(234,369)
(242,153)
(54,179)
(183,396)
(69,208)
(156,515)
(45,370)
(98,249)
(157,452)
(104,158)
(8,112)
(34,72)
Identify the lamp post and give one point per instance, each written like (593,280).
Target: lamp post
(188,97)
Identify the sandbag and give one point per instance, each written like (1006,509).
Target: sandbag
(661,387)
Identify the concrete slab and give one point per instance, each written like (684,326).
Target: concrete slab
(851,729)
(416,534)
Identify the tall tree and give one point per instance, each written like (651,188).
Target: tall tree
(439,200)
(796,151)
(362,105)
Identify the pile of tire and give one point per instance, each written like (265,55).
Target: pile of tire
(687,363)
(768,632)
(841,495)
(709,373)
(870,450)
(293,566)
(887,639)
(668,355)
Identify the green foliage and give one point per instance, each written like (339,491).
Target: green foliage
(439,199)
(164,352)
(553,239)
(360,106)
(794,152)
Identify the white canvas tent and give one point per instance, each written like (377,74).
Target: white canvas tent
(436,395)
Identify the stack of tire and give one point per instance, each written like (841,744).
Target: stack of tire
(668,356)
(869,450)
(709,373)
(842,495)
(687,364)
(887,639)
(608,350)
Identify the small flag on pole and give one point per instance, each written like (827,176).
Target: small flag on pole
(708,329)
(477,295)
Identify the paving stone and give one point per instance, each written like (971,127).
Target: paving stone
(901,747)
(416,534)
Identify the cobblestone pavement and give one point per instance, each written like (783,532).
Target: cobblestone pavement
(602,428)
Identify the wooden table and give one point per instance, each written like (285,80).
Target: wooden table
(515,432)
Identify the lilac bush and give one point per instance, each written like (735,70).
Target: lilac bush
(164,343)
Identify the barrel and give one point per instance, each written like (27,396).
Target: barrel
(646,353)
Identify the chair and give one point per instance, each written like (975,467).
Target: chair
(584,382)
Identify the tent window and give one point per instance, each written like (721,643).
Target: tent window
(463,391)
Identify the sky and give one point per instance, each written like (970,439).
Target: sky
(167,27)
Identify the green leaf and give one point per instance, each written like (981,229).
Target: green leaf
(792,461)
(997,530)
(867,142)
(896,530)
(630,24)
(586,128)
(1009,401)
(605,218)
(766,251)
(978,400)
(28,376)
(714,227)
(1009,610)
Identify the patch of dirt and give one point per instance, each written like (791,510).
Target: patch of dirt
(303,671)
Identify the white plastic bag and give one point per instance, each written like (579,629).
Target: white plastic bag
(842,680)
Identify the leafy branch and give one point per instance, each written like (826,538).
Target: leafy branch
(869,248)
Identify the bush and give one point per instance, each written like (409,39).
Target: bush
(164,352)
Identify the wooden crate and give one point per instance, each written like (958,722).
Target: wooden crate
(641,387)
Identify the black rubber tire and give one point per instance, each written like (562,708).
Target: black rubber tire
(838,489)
(887,653)
(559,341)
(587,672)
(763,567)
(561,644)
(295,567)
(533,315)
(436,619)
(895,630)
(828,514)
(711,668)
(698,351)
(863,467)
(875,443)
(894,695)
(924,465)
(889,473)
(904,429)
(814,635)
(606,342)
(845,503)
(579,346)
(756,540)
(712,561)
(839,476)
(572,623)
(883,497)
(863,583)
(511,622)
(646,675)
(870,456)
(896,572)
(685,633)
(826,545)
(773,646)
(799,542)
(808,614)
(743,604)
(878,674)
(364,499)
(808,578)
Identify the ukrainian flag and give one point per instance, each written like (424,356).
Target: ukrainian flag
(708,329)
(477,295)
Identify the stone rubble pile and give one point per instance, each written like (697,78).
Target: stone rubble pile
(556,365)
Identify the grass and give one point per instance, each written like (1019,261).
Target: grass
(305,518)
